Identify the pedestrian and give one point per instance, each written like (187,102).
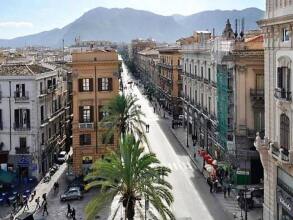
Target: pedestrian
(210,183)
(38,203)
(33,195)
(14,206)
(229,189)
(11,217)
(225,191)
(26,205)
(216,186)
(44,196)
(8,202)
(73,213)
(45,208)
(68,210)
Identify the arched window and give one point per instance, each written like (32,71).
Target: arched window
(284,131)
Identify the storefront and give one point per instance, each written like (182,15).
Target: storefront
(284,195)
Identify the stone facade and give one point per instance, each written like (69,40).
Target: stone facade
(276,149)
(33,102)
(95,82)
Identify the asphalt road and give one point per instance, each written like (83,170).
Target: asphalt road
(193,201)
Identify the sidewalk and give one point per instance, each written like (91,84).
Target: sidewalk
(229,204)
(42,188)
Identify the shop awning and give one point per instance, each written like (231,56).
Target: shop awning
(6,177)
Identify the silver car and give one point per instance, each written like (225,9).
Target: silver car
(72,193)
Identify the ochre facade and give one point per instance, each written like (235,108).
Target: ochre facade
(95,83)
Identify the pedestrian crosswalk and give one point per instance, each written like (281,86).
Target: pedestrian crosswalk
(174,166)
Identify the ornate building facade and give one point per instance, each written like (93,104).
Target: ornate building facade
(276,148)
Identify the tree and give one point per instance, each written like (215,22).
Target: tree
(130,173)
(125,116)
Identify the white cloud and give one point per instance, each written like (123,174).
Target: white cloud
(15,24)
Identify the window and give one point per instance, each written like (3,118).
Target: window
(22,142)
(105,84)
(85,85)
(259,81)
(85,139)
(284,78)
(195,96)
(209,74)
(50,132)
(259,122)
(43,139)
(201,69)
(201,99)
(22,118)
(41,88)
(286,36)
(20,90)
(209,105)
(102,113)
(86,114)
(1,122)
(195,70)
(42,113)
(284,131)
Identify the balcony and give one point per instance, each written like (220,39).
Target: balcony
(179,67)
(282,155)
(22,150)
(257,94)
(281,93)
(21,127)
(206,81)
(86,125)
(21,97)
(165,65)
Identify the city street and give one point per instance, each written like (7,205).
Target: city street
(192,197)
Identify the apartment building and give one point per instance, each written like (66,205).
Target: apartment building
(135,47)
(32,118)
(276,148)
(95,82)
(199,89)
(169,83)
(147,66)
(240,89)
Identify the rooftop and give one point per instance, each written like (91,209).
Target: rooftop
(22,70)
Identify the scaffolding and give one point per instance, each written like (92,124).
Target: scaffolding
(222,103)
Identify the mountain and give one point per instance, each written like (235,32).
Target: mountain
(126,24)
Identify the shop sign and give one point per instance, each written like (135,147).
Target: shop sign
(285,200)
(23,161)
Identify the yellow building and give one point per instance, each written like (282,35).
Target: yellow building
(95,82)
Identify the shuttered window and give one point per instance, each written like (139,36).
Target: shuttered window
(85,85)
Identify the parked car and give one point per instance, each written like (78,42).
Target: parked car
(72,193)
(47,178)
(62,156)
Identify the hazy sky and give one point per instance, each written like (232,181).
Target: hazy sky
(22,17)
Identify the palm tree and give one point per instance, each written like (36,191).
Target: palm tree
(125,115)
(130,173)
